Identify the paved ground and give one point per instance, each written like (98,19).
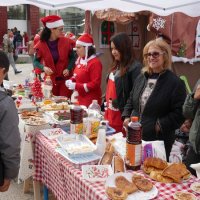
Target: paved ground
(19,78)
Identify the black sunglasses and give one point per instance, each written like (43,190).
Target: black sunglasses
(153,54)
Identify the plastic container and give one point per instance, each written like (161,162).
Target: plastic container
(134,145)
(47,88)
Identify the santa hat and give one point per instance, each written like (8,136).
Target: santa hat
(52,21)
(85,40)
(70,36)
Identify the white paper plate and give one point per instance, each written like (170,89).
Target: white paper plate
(195,187)
(52,133)
(139,195)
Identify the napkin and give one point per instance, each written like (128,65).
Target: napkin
(197,168)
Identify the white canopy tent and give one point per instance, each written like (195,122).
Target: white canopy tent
(160,7)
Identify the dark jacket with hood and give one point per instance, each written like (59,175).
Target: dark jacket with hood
(9,137)
(163,107)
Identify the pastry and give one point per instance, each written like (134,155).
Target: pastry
(122,183)
(118,164)
(179,195)
(155,162)
(148,170)
(143,184)
(116,193)
(157,176)
(175,171)
(136,177)
(187,176)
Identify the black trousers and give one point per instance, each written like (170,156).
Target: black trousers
(192,158)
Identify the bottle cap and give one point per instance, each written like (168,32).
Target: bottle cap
(134,119)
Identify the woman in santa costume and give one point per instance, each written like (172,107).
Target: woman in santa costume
(123,73)
(54,54)
(86,78)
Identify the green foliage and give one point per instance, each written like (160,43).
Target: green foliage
(182,50)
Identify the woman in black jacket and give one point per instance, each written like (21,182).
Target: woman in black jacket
(157,96)
(121,78)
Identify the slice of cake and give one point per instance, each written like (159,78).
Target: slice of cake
(62,115)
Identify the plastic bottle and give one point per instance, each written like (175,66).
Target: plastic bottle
(47,88)
(101,140)
(94,110)
(134,145)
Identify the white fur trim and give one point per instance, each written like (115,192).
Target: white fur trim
(72,37)
(55,24)
(85,87)
(83,43)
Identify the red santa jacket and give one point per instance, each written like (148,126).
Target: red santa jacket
(64,48)
(88,81)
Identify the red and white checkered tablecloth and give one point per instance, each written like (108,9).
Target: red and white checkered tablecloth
(65,181)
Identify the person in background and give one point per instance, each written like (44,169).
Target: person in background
(55,53)
(124,70)
(31,50)
(72,37)
(181,144)
(8,48)
(191,110)
(37,35)
(25,38)
(86,79)
(9,132)
(157,96)
(18,40)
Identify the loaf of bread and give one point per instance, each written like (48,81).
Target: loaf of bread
(118,164)
(106,159)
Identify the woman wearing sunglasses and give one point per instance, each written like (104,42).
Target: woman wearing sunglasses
(121,78)
(157,96)
(54,54)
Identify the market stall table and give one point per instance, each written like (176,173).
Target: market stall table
(65,180)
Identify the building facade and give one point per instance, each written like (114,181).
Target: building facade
(26,18)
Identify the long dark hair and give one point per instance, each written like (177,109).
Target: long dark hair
(123,44)
(91,51)
(45,35)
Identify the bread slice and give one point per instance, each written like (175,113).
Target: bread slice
(175,171)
